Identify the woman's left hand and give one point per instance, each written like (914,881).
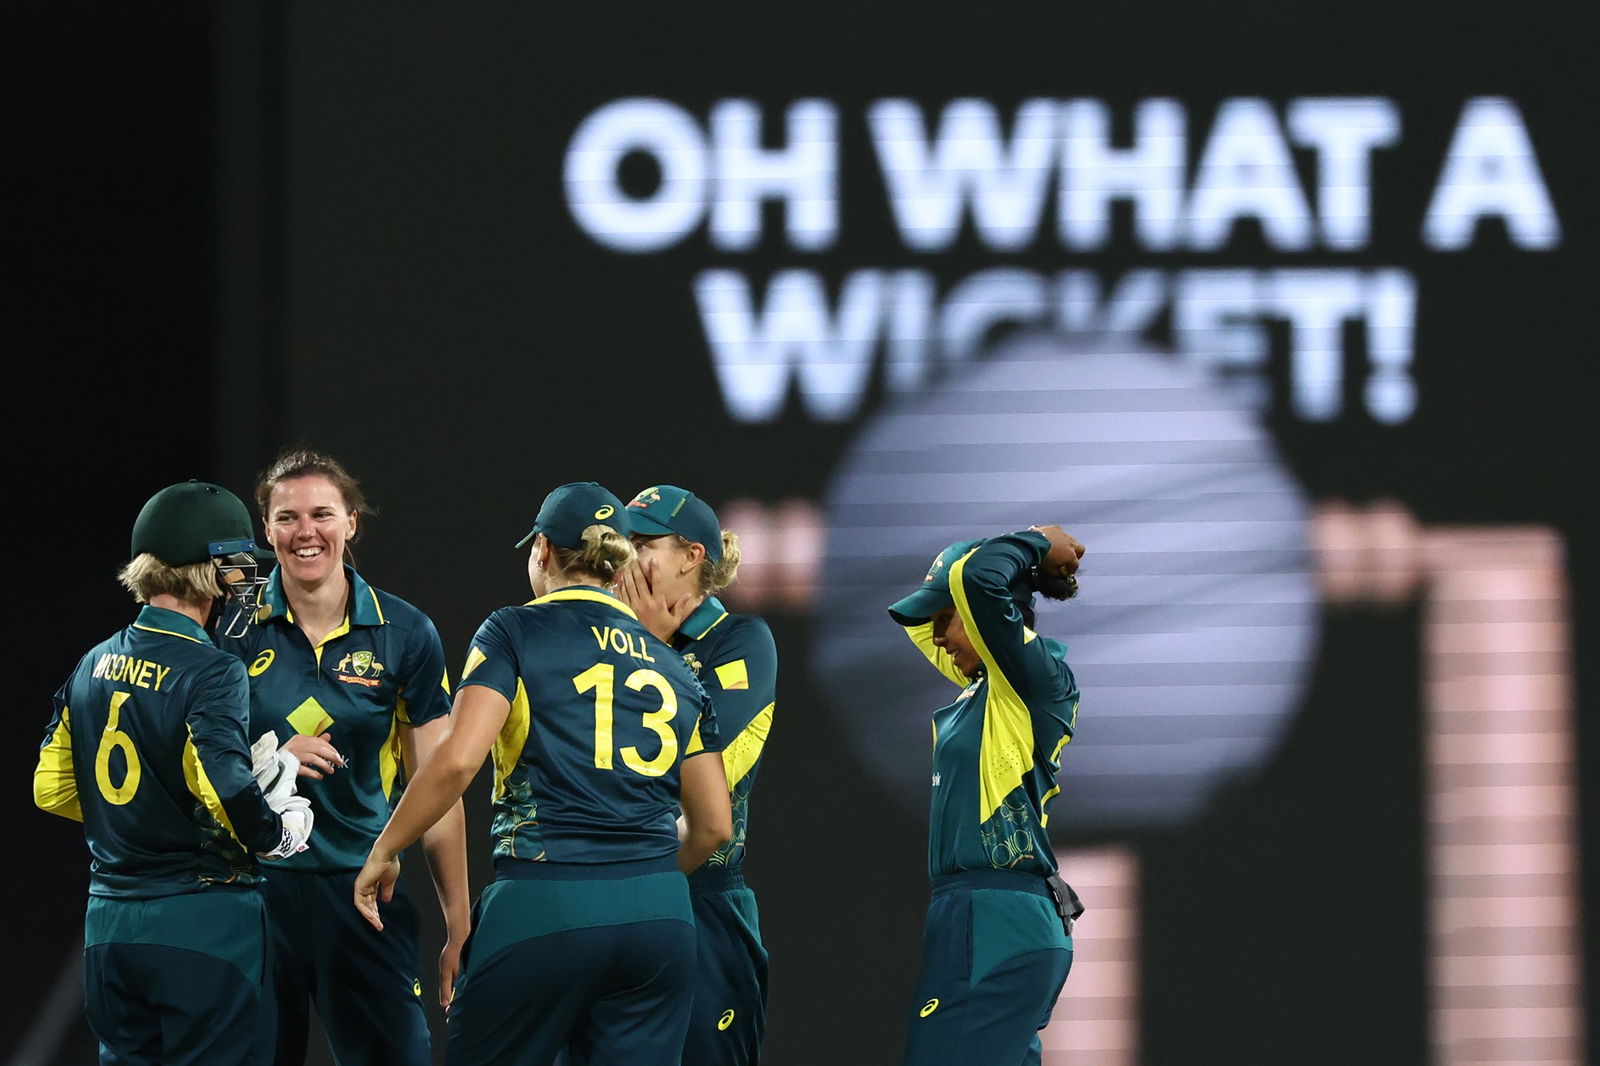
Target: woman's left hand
(636,588)
(376,881)
(449,967)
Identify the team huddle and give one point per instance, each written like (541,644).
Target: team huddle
(253,756)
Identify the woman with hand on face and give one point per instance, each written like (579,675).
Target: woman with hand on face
(599,734)
(685,559)
(997,943)
(352,681)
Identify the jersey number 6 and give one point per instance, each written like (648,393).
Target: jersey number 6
(601,679)
(116,738)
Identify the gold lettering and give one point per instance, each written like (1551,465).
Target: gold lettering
(600,637)
(146,669)
(161,675)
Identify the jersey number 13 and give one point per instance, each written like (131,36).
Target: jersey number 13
(601,679)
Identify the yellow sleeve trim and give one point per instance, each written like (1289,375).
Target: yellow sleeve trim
(475,659)
(922,637)
(55,786)
(740,756)
(200,786)
(390,758)
(1044,815)
(513,736)
(695,745)
(733,675)
(1005,753)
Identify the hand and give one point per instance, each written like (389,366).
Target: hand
(376,881)
(1066,551)
(295,814)
(636,586)
(449,967)
(318,757)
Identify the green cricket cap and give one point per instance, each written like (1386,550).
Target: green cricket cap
(663,509)
(573,508)
(934,593)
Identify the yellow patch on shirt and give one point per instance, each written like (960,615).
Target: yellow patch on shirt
(310,719)
(733,675)
(475,659)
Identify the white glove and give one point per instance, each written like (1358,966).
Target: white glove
(262,754)
(296,814)
(277,776)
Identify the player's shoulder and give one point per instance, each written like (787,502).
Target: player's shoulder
(749,626)
(209,658)
(397,611)
(521,620)
(745,634)
(200,665)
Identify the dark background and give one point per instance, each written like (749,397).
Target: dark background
(236,227)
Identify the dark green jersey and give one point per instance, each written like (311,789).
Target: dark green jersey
(997,748)
(147,748)
(383,668)
(736,661)
(586,768)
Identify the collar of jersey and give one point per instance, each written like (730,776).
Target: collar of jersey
(364,609)
(590,593)
(173,624)
(703,619)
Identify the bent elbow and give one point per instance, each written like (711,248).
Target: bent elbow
(458,768)
(57,799)
(711,833)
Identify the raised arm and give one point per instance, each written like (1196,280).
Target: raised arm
(981,584)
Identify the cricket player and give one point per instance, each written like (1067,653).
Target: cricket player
(598,733)
(352,680)
(147,749)
(997,942)
(685,559)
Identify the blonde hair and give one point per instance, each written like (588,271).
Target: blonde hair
(714,577)
(605,553)
(147,577)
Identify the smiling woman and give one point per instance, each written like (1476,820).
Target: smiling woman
(352,680)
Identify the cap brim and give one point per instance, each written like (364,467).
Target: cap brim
(920,606)
(650,527)
(534,532)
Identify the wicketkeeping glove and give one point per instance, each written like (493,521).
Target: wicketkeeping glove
(275,769)
(296,814)
(262,753)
